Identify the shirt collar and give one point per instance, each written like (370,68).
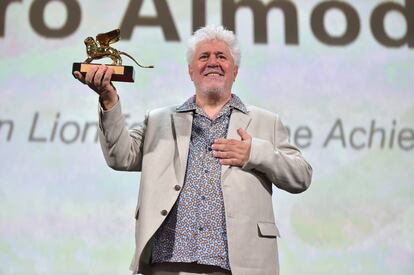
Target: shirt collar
(190,104)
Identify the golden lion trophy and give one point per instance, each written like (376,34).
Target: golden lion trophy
(99,48)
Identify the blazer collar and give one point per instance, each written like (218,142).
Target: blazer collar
(183,120)
(234,103)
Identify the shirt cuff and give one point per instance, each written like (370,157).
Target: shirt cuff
(102,110)
(108,118)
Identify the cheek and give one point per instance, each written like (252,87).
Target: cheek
(194,73)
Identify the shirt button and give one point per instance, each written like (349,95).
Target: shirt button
(206,171)
(200,228)
(203,197)
(177,187)
(209,148)
(164,212)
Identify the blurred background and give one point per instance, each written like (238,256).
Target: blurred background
(339,73)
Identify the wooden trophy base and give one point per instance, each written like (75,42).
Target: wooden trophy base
(121,73)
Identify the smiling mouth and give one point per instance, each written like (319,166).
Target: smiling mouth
(213,74)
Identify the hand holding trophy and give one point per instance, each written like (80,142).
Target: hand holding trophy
(98,77)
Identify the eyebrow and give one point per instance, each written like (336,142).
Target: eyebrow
(218,52)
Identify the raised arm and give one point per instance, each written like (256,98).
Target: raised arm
(122,149)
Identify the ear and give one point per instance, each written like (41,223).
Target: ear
(190,71)
(235,72)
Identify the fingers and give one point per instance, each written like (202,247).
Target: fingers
(222,141)
(229,154)
(221,147)
(226,155)
(231,162)
(229,158)
(97,79)
(243,134)
(226,144)
(106,81)
(90,75)
(233,152)
(79,76)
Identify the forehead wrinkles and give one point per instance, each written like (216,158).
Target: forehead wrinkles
(213,44)
(215,52)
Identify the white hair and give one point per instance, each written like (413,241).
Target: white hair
(213,32)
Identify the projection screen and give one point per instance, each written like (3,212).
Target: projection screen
(339,74)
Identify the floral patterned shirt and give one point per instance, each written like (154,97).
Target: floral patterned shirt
(195,229)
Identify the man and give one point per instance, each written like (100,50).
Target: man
(208,165)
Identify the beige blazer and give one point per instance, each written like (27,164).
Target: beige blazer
(159,149)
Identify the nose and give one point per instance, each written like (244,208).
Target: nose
(212,61)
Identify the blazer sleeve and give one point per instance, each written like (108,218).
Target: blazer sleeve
(122,148)
(281,162)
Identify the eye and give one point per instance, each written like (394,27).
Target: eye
(203,57)
(221,57)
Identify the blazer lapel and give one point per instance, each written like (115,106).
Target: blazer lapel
(238,120)
(182,125)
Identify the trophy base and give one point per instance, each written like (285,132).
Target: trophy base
(121,73)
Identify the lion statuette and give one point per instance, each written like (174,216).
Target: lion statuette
(100,48)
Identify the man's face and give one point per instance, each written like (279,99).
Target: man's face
(212,69)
